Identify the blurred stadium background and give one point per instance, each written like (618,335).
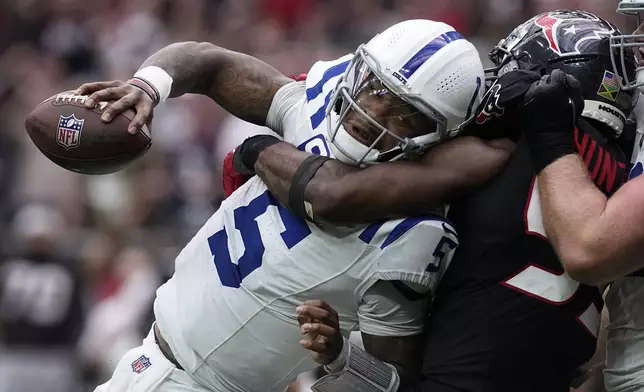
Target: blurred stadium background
(81,257)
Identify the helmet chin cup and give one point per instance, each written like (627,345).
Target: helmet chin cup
(350,151)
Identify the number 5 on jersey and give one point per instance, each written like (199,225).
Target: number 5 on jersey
(231,274)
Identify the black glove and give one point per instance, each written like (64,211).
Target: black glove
(245,156)
(550,110)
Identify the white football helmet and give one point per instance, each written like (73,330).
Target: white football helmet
(629,43)
(427,64)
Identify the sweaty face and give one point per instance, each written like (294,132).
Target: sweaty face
(388,110)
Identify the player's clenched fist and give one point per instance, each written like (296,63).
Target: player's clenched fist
(320,322)
(551,108)
(134,94)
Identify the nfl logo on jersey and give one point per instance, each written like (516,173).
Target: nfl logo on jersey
(141,364)
(69,131)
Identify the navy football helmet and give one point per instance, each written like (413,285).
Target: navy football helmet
(579,43)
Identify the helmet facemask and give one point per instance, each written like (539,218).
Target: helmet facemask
(623,46)
(369,121)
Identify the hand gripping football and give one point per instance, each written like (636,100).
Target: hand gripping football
(75,138)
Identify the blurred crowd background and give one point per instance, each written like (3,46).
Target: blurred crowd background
(81,257)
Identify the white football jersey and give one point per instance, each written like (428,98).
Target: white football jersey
(625,302)
(228,313)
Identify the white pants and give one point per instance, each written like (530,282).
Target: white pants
(625,342)
(146,369)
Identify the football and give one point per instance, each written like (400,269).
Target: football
(75,138)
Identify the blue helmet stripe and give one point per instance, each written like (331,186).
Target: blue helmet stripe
(427,51)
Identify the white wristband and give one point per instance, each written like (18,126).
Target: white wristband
(354,370)
(158,78)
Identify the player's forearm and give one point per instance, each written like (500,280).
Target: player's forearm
(326,192)
(597,239)
(339,193)
(192,66)
(342,194)
(241,84)
(571,207)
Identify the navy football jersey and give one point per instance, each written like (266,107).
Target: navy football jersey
(506,317)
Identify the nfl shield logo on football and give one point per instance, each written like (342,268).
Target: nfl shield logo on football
(69,131)
(141,364)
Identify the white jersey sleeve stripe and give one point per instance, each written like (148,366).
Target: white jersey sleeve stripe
(367,236)
(336,70)
(320,82)
(409,224)
(318,117)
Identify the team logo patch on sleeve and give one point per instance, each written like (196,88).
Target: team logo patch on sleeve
(140,364)
(609,88)
(69,131)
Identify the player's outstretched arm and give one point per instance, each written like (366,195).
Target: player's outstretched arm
(343,194)
(241,84)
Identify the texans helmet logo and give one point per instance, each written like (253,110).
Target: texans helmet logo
(491,105)
(566,33)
